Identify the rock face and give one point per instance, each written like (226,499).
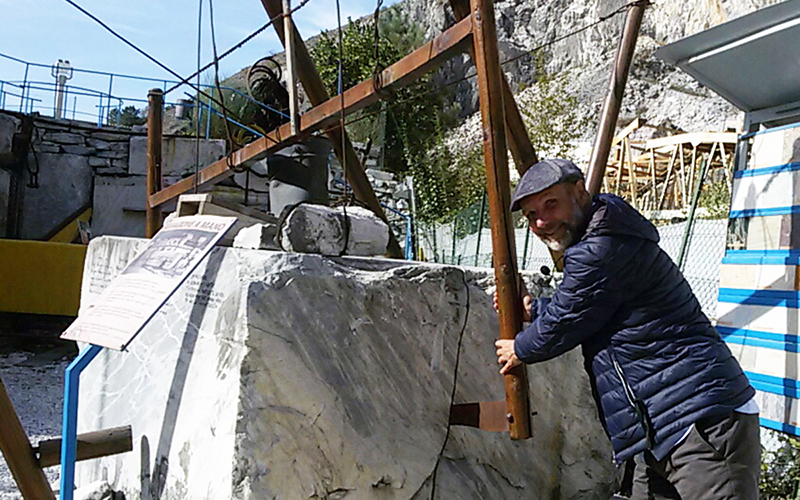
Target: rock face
(661,94)
(273,375)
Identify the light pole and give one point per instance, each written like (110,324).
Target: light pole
(61,71)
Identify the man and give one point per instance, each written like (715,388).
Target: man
(668,390)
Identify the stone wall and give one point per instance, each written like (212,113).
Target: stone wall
(73,164)
(274,375)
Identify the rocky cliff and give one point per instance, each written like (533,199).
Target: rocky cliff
(663,95)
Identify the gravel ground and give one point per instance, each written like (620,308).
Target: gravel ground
(34,380)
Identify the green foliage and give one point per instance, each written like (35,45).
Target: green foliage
(358,55)
(129,117)
(447,182)
(550,113)
(716,194)
(409,122)
(780,469)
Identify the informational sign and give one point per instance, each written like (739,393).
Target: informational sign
(120,312)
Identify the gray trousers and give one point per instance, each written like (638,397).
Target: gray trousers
(720,459)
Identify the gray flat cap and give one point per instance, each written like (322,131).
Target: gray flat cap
(545,174)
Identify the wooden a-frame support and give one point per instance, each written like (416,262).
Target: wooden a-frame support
(474,32)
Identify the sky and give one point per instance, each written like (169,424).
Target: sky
(43,31)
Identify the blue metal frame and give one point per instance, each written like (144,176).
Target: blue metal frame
(69,429)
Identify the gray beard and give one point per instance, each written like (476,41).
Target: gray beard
(562,244)
(570,230)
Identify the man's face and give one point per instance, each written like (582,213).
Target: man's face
(555,215)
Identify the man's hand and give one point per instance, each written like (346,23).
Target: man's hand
(506,355)
(527,302)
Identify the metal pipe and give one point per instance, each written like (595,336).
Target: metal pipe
(613,100)
(487,63)
(110,88)
(69,429)
(480,227)
(154,142)
(24,84)
(687,231)
(291,68)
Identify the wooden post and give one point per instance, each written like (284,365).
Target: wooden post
(155,98)
(90,445)
(680,204)
(632,169)
(611,105)
(666,180)
(487,64)
(19,454)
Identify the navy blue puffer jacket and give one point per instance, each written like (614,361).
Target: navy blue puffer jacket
(655,363)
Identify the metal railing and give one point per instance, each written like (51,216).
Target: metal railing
(93,97)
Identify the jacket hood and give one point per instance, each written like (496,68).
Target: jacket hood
(610,215)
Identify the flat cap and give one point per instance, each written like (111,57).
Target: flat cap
(543,175)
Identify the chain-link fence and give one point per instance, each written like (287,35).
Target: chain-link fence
(460,242)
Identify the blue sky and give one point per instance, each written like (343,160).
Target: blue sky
(43,31)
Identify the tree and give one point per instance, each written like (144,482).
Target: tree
(409,119)
(129,117)
(550,113)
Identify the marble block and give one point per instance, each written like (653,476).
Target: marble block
(273,375)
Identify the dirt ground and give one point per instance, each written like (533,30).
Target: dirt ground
(32,365)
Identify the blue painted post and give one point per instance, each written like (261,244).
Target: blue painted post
(409,240)
(69,429)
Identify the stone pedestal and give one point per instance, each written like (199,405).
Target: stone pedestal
(288,376)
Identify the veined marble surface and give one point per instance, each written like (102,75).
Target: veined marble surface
(293,376)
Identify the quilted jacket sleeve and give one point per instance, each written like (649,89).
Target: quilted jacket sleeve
(581,306)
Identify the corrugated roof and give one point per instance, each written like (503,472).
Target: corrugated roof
(752,61)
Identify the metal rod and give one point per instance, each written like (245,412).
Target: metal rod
(453,251)
(154,143)
(24,85)
(490,90)
(687,231)
(480,227)
(291,71)
(110,88)
(611,105)
(525,248)
(69,429)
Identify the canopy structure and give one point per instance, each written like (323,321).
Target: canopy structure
(751,61)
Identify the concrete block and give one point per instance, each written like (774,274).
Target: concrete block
(272,375)
(119,206)
(65,185)
(765,233)
(334,231)
(178,155)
